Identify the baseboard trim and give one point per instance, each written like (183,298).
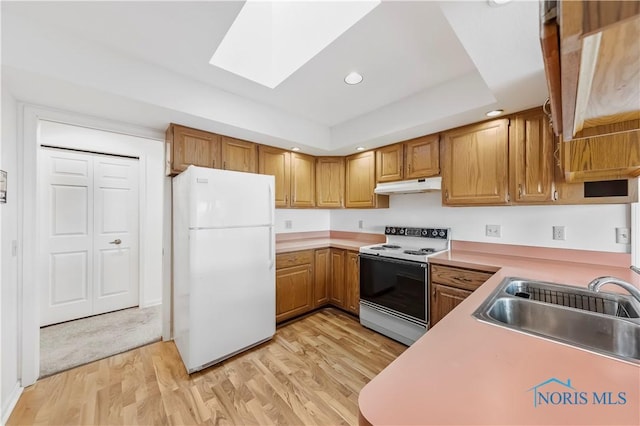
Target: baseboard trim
(13,400)
(151,303)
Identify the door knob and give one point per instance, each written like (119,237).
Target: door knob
(116,241)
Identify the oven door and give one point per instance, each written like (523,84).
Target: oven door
(395,284)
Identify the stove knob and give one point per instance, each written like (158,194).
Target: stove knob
(425,232)
(393,230)
(434,233)
(387,230)
(401,231)
(441,233)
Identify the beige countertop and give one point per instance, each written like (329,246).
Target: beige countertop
(286,243)
(463,371)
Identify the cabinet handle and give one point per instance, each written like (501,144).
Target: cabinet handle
(409,167)
(446,194)
(555,195)
(224,165)
(286,199)
(519,190)
(214,164)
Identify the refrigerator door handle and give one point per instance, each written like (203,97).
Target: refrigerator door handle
(271,257)
(272,228)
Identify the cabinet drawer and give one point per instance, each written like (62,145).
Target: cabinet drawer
(295,258)
(459,278)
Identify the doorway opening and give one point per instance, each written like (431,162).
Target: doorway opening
(92,208)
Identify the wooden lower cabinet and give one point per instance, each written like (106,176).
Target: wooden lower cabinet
(294,284)
(449,287)
(352,283)
(310,279)
(337,289)
(322,277)
(444,299)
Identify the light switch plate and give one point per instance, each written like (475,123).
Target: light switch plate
(288,224)
(559,233)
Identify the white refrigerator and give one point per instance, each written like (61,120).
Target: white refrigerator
(223,264)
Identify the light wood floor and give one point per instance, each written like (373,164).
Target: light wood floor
(310,373)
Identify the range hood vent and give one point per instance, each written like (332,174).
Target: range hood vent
(410,186)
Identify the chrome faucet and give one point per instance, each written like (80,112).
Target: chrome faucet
(596,284)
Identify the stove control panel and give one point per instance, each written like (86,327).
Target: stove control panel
(440,233)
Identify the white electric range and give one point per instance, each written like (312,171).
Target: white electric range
(394,279)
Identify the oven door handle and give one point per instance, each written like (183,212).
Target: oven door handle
(392,260)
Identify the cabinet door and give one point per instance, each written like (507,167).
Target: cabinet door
(443,300)
(352,283)
(303,183)
(474,164)
(330,182)
(337,289)
(531,163)
(322,277)
(239,155)
(361,181)
(389,163)
(276,162)
(294,291)
(192,147)
(422,157)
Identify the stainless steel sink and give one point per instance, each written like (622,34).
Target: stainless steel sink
(604,323)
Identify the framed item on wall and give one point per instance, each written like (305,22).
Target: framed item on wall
(3,186)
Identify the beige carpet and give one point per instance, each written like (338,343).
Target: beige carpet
(73,343)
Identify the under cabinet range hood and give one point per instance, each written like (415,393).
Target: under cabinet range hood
(410,186)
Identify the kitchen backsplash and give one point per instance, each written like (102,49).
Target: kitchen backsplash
(587,227)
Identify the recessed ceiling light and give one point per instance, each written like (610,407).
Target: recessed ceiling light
(353,78)
(360,148)
(495,113)
(498,2)
(295,148)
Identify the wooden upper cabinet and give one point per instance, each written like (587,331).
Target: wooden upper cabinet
(475,164)
(602,157)
(422,157)
(239,155)
(360,171)
(330,182)
(276,162)
(303,183)
(589,69)
(186,146)
(389,163)
(531,161)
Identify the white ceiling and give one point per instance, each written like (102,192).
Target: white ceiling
(427,66)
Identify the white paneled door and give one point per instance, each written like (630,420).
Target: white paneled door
(89,234)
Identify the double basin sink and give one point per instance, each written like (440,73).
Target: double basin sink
(604,323)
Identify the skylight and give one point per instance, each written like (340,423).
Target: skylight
(269,41)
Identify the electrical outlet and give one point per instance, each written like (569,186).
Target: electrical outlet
(361,224)
(623,235)
(559,233)
(288,224)
(493,231)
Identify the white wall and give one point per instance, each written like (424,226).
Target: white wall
(588,227)
(302,220)
(9,388)
(151,155)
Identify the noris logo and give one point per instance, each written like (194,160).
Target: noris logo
(556,392)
